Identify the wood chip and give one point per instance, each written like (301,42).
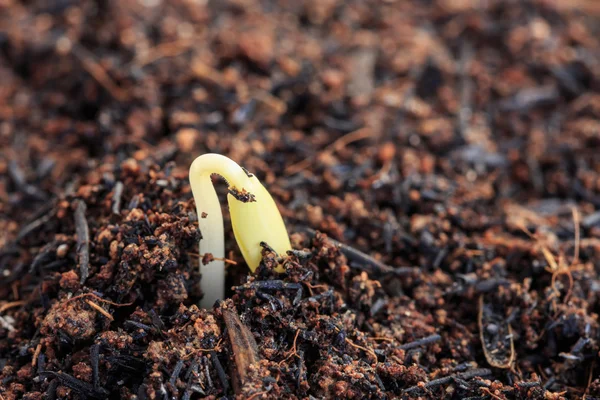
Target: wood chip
(83,240)
(244,349)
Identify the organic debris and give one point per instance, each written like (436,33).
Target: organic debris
(436,164)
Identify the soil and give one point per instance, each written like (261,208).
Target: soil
(436,163)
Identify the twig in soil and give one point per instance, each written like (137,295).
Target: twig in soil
(528,98)
(141,331)
(18,177)
(258,394)
(36,353)
(200,350)
(575,353)
(83,240)
(43,257)
(491,358)
(201,256)
(164,50)
(560,268)
(302,255)
(489,393)
(243,348)
(100,310)
(363,133)
(487,285)
(176,372)
(78,386)
(366,350)
(51,391)
(157,322)
(293,351)
(220,371)
(441,381)
(465,88)
(369,264)
(278,106)
(116,208)
(557,268)
(98,298)
(10,305)
(192,373)
(138,325)
(41,363)
(527,385)
(40,220)
(576,225)
(589,381)
(274,285)
(98,73)
(206,73)
(95,361)
(207,373)
(421,342)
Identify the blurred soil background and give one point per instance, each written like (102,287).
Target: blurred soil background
(437,164)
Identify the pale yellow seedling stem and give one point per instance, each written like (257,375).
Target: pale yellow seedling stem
(254,217)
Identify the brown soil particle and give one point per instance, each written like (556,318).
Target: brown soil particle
(71,318)
(436,164)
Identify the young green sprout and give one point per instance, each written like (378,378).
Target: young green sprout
(254,217)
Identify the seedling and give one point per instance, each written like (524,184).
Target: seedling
(254,218)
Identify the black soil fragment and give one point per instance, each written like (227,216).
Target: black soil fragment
(436,164)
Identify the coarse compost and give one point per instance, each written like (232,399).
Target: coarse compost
(436,163)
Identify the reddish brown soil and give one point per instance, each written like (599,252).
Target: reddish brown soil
(436,162)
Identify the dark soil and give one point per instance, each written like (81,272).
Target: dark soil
(436,162)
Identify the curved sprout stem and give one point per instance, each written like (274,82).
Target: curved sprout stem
(254,217)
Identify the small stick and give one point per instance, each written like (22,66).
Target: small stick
(293,351)
(207,73)
(421,342)
(12,304)
(589,381)
(36,354)
(116,208)
(15,290)
(99,309)
(95,360)
(383,338)
(51,391)
(465,88)
(243,347)
(164,50)
(176,372)
(98,298)
(83,240)
(440,381)
(201,256)
(220,371)
(486,352)
(196,351)
(277,105)
(489,392)
(79,386)
(36,223)
(99,73)
(257,394)
(368,351)
(373,266)
(338,144)
(18,177)
(576,223)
